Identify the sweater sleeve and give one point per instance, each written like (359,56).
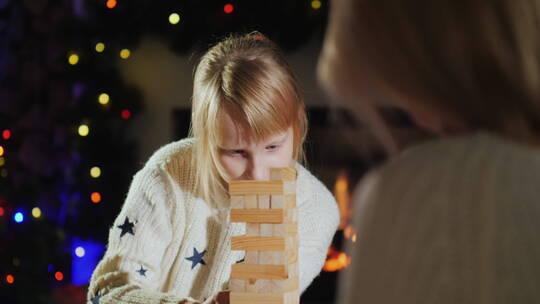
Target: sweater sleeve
(139,253)
(318,219)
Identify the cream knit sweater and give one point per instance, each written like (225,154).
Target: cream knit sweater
(167,246)
(456,220)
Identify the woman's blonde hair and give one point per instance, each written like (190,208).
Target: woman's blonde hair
(477,60)
(247,78)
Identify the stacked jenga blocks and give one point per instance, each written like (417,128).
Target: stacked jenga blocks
(269,272)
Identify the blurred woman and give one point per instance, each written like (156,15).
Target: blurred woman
(454,219)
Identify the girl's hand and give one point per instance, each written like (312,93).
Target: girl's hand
(223,297)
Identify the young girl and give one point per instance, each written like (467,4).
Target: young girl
(171,241)
(453,220)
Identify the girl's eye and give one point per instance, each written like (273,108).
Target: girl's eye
(272,147)
(236,152)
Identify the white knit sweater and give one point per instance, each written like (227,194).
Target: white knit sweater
(456,220)
(167,246)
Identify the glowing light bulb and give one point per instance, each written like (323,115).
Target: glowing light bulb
(10,279)
(228,8)
(73,59)
(84,130)
(316,4)
(59,276)
(6,134)
(95,172)
(111,4)
(126,114)
(100,47)
(174,18)
(95,197)
(36,212)
(124,53)
(1,151)
(103,98)
(80,252)
(19,217)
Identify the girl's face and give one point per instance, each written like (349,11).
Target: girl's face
(245,159)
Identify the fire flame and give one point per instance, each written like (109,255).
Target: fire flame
(343,198)
(336,260)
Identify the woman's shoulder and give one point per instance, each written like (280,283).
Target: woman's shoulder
(447,166)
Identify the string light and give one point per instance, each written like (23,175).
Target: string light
(84,130)
(316,4)
(10,279)
(2,211)
(174,18)
(19,217)
(95,172)
(80,252)
(126,114)
(228,8)
(36,212)
(111,4)
(59,276)
(100,47)
(73,59)
(95,197)
(2,161)
(6,134)
(1,151)
(124,53)
(103,98)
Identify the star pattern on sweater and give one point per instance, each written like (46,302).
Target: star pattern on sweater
(127,227)
(142,271)
(96,298)
(196,258)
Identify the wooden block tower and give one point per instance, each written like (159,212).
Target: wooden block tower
(269,273)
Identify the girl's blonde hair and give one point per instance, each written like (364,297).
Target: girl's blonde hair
(247,78)
(476,60)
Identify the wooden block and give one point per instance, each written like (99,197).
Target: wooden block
(264,201)
(252,285)
(278,286)
(292,297)
(292,269)
(285,173)
(290,201)
(260,243)
(289,187)
(253,229)
(291,242)
(269,216)
(237,285)
(255,298)
(277,201)
(272,257)
(291,256)
(246,271)
(291,215)
(250,202)
(237,202)
(252,257)
(250,187)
